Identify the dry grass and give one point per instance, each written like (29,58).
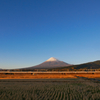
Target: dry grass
(29,76)
(96,75)
(47,75)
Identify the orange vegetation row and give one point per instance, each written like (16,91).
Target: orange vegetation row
(47,75)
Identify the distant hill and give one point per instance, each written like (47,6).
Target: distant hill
(89,65)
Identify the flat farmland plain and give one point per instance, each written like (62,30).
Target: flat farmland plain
(49,75)
(49,89)
(80,85)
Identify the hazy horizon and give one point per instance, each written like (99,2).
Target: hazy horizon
(33,31)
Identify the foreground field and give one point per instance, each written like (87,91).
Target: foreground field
(49,89)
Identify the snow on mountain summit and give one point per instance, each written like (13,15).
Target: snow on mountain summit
(52,59)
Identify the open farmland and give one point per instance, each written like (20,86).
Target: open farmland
(49,89)
(48,75)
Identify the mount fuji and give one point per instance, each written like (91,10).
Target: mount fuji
(50,63)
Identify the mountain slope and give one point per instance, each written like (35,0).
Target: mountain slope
(50,63)
(89,65)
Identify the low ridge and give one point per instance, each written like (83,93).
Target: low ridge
(95,65)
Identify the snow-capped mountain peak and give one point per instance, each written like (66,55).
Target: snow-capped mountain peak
(52,59)
(50,63)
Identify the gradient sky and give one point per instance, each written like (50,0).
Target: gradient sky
(32,31)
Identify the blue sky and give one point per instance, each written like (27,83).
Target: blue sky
(32,31)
